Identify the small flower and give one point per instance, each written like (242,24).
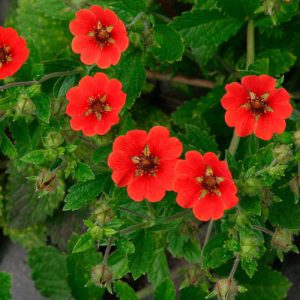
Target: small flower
(13,52)
(145,163)
(256,106)
(94,104)
(205,184)
(100,36)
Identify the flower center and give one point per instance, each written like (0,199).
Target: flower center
(102,35)
(146,163)
(98,107)
(209,183)
(4,55)
(258,105)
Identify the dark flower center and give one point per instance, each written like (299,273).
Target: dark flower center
(146,163)
(258,105)
(4,55)
(209,183)
(102,35)
(98,106)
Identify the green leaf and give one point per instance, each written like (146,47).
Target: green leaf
(119,264)
(84,172)
(42,103)
(55,9)
(192,292)
(239,8)
(159,269)
(7,147)
(140,260)
(251,204)
(84,192)
(80,267)
(215,254)
(39,157)
(168,45)
(5,283)
(49,272)
(84,243)
(205,30)
(165,291)
(266,284)
(124,291)
(286,213)
(131,72)
(101,153)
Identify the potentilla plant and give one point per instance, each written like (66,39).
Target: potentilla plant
(150,149)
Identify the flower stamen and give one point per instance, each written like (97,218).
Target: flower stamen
(102,35)
(5,55)
(98,106)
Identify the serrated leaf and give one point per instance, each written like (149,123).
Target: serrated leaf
(251,204)
(39,157)
(49,272)
(84,172)
(159,269)
(119,264)
(167,45)
(205,30)
(124,291)
(239,8)
(84,243)
(8,148)
(266,284)
(5,283)
(192,292)
(42,103)
(131,72)
(82,193)
(165,291)
(55,9)
(140,260)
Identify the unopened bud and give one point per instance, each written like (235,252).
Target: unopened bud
(103,213)
(283,240)
(282,153)
(97,233)
(297,138)
(102,275)
(53,139)
(226,289)
(277,171)
(46,181)
(25,106)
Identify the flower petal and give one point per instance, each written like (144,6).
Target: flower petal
(84,22)
(259,85)
(235,97)
(279,101)
(193,165)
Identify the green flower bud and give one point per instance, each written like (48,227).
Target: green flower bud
(277,170)
(226,289)
(33,90)
(283,240)
(46,181)
(25,106)
(297,138)
(282,153)
(102,275)
(250,246)
(251,186)
(53,139)
(103,213)
(135,39)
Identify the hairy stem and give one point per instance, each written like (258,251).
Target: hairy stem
(234,144)
(207,236)
(107,251)
(250,43)
(234,267)
(262,229)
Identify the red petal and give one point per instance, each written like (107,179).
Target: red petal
(230,201)
(210,207)
(220,168)
(259,85)
(106,16)
(89,85)
(122,166)
(279,101)
(242,119)
(102,82)
(166,173)
(193,165)
(162,145)
(235,97)
(107,121)
(155,191)
(89,125)
(77,123)
(84,22)
(228,186)
(137,188)
(133,143)
(188,191)
(88,49)
(120,36)
(269,124)
(109,55)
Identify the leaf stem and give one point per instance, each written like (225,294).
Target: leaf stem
(107,251)
(234,267)
(250,43)
(234,144)
(43,79)
(133,212)
(265,230)
(207,236)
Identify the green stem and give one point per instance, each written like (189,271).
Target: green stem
(262,229)
(234,267)
(133,227)
(234,144)
(250,43)
(207,236)
(44,78)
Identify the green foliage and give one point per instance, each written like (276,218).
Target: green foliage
(5,291)
(124,291)
(165,291)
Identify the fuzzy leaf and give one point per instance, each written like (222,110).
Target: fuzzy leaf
(124,291)
(165,291)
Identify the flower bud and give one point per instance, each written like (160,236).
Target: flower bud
(277,170)
(53,139)
(97,233)
(25,106)
(226,289)
(103,213)
(135,39)
(252,186)
(283,240)
(102,275)
(46,181)
(282,153)
(297,138)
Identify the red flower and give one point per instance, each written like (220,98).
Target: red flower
(255,106)
(100,36)
(145,163)
(13,52)
(95,103)
(205,184)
